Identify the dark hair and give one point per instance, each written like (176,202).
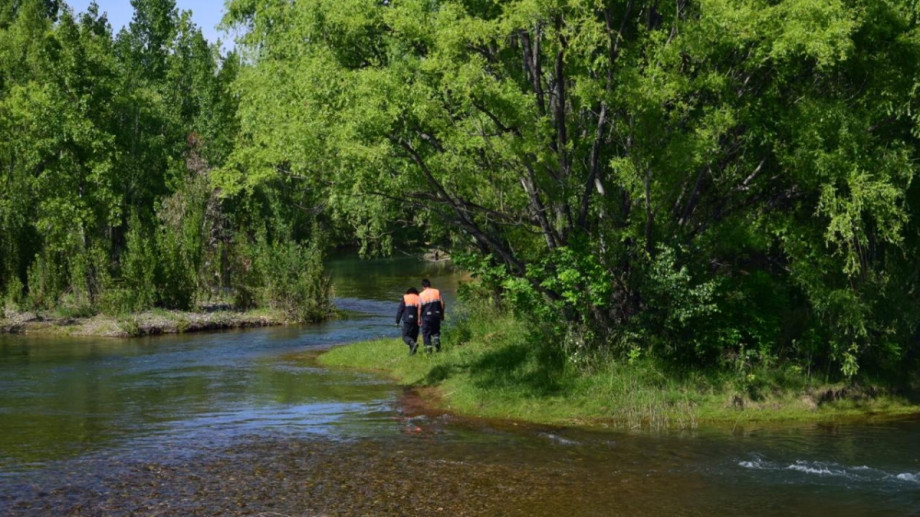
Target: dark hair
(411,290)
(426,283)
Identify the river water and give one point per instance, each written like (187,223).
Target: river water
(235,423)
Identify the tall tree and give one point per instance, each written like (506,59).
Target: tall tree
(57,162)
(99,134)
(657,172)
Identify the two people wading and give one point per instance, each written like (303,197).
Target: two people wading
(421,311)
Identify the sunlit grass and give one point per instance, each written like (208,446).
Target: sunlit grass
(498,372)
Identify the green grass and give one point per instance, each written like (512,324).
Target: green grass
(498,372)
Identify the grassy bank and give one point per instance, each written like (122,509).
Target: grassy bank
(152,322)
(500,373)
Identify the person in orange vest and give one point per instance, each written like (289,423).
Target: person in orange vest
(431,313)
(409,314)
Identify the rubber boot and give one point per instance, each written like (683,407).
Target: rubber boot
(413,346)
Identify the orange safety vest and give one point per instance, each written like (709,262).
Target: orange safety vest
(411,300)
(430,295)
(412,304)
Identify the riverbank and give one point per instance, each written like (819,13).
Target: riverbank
(500,375)
(147,323)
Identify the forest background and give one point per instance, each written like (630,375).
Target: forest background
(714,184)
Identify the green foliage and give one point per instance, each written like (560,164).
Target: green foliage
(473,315)
(175,273)
(43,283)
(180,242)
(14,296)
(679,309)
(714,183)
(507,370)
(81,281)
(685,180)
(138,265)
(88,275)
(107,145)
(295,279)
(245,276)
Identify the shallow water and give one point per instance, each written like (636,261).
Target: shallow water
(232,423)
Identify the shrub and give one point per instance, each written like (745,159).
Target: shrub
(296,280)
(14,294)
(42,282)
(137,291)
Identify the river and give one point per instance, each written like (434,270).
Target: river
(236,423)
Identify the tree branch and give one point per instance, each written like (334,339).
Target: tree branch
(532,65)
(461,212)
(528,181)
(593,179)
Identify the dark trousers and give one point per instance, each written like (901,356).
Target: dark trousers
(431,333)
(409,333)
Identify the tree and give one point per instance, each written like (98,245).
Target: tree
(58,161)
(95,131)
(646,170)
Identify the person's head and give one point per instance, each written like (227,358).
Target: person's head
(426,283)
(411,290)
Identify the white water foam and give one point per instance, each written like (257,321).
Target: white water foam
(819,469)
(558,439)
(861,473)
(757,464)
(907,476)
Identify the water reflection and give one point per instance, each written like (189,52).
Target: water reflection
(64,397)
(62,400)
(387,279)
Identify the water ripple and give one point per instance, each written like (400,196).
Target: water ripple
(821,469)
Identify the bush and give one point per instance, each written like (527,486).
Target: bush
(471,316)
(175,274)
(14,294)
(678,309)
(74,307)
(245,277)
(296,280)
(137,291)
(42,282)
(115,299)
